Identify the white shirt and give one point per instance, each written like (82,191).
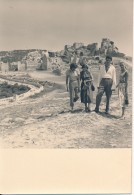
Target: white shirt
(111,73)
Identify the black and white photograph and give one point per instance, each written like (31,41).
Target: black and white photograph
(66,72)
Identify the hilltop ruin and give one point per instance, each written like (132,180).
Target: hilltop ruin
(35,59)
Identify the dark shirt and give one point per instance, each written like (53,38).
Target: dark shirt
(85,75)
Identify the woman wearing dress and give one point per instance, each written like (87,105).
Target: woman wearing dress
(123,87)
(87,87)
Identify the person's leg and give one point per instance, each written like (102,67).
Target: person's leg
(86,108)
(76,94)
(82,93)
(123,111)
(126,96)
(108,92)
(98,98)
(71,93)
(85,100)
(121,98)
(124,99)
(89,97)
(108,96)
(89,107)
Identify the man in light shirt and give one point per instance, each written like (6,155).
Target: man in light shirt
(73,83)
(107,83)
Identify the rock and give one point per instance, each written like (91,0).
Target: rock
(108,48)
(93,48)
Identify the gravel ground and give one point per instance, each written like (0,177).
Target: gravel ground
(45,121)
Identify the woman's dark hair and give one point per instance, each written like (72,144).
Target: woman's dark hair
(73,66)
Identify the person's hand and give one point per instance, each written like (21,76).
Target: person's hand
(117,85)
(93,87)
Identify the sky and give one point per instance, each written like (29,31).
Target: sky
(51,24)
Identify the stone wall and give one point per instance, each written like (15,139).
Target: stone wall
(34,89)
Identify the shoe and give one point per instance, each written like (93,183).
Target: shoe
(75,99)
(96,110)
(126,102)
(88,110)
(107,112)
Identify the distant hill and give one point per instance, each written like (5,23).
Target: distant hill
(15,55)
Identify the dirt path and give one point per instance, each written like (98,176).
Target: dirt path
(45,121)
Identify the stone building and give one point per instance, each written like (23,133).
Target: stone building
(4,67)
(107,47)
(93,48)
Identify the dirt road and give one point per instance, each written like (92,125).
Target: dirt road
(44,121)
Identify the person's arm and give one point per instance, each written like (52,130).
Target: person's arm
(100,74)
(67,79)
(117,84)
(114,79)
(78,82)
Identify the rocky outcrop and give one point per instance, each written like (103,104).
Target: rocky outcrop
(93,48)
(78,45)
(33,59)
(108,48)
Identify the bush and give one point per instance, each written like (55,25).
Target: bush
(7,90)
(22,87)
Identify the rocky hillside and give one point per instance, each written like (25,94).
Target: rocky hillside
(58,61)
(107,47)
(93,49)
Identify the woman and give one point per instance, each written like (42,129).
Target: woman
(73,83)
(123,87)
(87,87)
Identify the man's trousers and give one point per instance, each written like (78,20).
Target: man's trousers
(105,86)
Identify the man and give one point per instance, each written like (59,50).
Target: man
(73,83)
(107,83)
